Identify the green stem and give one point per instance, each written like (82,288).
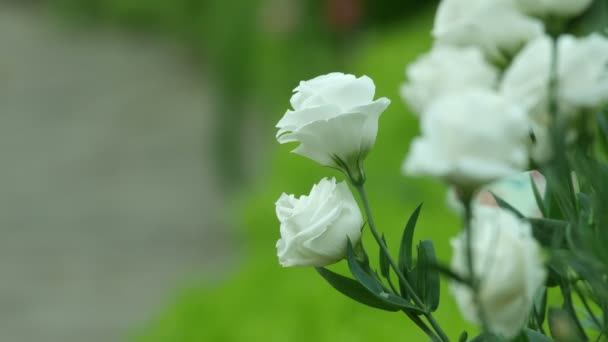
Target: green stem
(568,305)
(422,326)
(467,200)
(361,189)
(553,81)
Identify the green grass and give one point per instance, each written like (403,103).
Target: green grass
(262,301)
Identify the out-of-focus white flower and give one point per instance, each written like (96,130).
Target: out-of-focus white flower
(335,120)
(315,228)
(557,8)
(582,75)
(495,26)
(444,70)
(508,265)
(515,190)
(470,139)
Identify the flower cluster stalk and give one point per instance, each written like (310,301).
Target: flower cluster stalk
(370,220)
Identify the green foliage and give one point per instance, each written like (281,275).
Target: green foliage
(427,278)
(264,302)
(355,290)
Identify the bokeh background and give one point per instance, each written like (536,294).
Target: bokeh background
(140,170)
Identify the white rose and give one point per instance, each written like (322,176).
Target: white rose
(446,69)
(582,75)
(335,120)
(495,26)
(470,139)
(508,265)
(558,8)
(315,228)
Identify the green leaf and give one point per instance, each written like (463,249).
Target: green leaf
(540,306)
(448,272)
(505,205)
(538,197)
(527,335)
(594,19)
(463,337)
(384,263)
(352,289)
(374,286)
(427,276)
(405,250)
(535,336)
(487,337)
(603,129)
(549,232)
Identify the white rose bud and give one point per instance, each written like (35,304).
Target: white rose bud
(470,139)
(556,8)
(508,265)
(444,70)
(335,120)
(494,26)
(582,75)
(315,229)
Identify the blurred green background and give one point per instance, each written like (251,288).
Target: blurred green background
(255,52)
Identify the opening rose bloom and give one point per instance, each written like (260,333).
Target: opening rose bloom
(582,75)
(315,228)
(508,265)
(495,26)
(470,139)
(444,70)
(335,120)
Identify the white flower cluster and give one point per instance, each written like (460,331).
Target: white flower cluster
(482,95)
(481,122)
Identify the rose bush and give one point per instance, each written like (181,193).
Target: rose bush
(315,228)
(335,120)
(508,265)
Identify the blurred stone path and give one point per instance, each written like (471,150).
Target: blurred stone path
(107,199)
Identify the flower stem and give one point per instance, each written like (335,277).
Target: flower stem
(422,326)
(467,200)
(361,189)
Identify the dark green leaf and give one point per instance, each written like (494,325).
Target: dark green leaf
(538,197)
(463,337)
(603,129)
(549,232)
(487,337)
(594,19)
(374,286)
(384,263)
(535,336)
(504,205)
(352,289)
(540,306)
(527,335)
(427,276)
(405,250)
(448,272)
